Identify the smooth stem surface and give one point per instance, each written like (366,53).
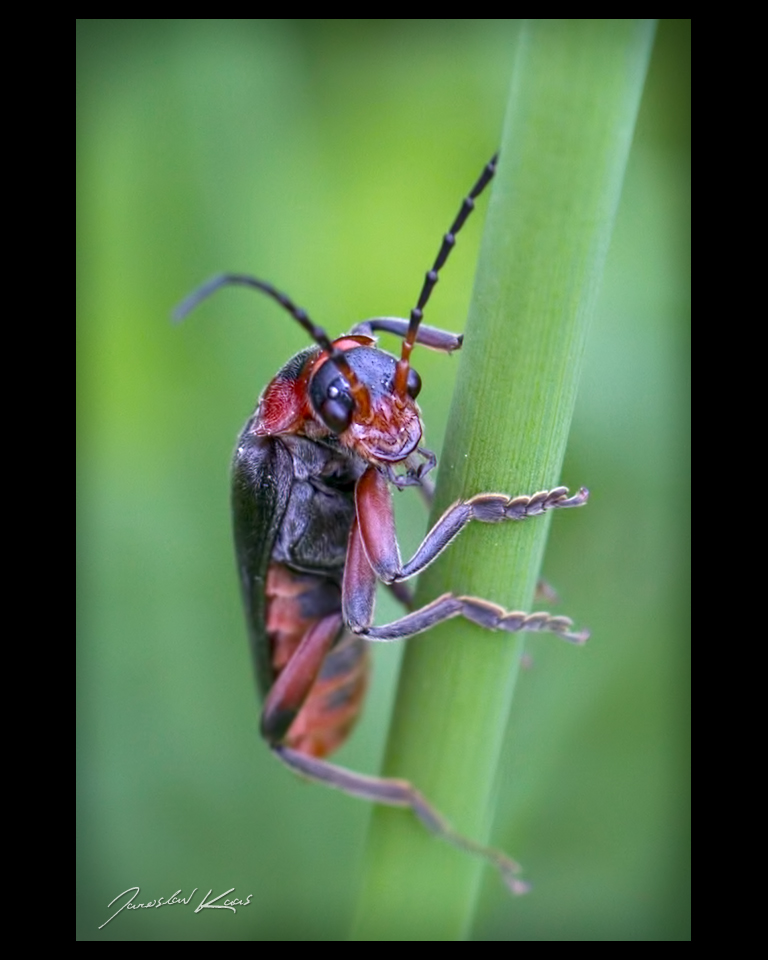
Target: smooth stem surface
(575,93)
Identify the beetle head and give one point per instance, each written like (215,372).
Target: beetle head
(358,400)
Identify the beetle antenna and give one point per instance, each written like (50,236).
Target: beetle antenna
(431,278)
(337,357)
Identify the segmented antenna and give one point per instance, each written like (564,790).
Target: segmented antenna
(431,278)
(336,356)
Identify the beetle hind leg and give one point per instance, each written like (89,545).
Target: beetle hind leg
(399,793)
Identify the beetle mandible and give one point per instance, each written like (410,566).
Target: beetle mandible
(314,532)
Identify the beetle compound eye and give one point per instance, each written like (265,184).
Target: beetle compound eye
(331,398)
(337,408)
(336,414)
(414,384)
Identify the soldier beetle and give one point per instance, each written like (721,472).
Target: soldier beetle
(314,533)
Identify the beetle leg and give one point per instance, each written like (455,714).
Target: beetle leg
(373,553)
(377,527)
(399,793)
(482,612)
(431,337)
(487,508)
(359,588)
(415,474)
(290,690)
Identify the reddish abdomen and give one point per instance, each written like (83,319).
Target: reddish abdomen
(295,602)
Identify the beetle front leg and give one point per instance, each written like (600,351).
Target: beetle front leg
(377,527)
(432,337)
(399,793)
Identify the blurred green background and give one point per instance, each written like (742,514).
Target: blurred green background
(328,156)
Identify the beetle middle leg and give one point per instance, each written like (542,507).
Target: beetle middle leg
(482,612)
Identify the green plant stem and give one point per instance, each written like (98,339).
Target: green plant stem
(574,99)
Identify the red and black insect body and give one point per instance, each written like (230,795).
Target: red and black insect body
(314,533)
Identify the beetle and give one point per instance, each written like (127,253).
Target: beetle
(314,533)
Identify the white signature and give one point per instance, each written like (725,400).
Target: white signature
(205,903)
